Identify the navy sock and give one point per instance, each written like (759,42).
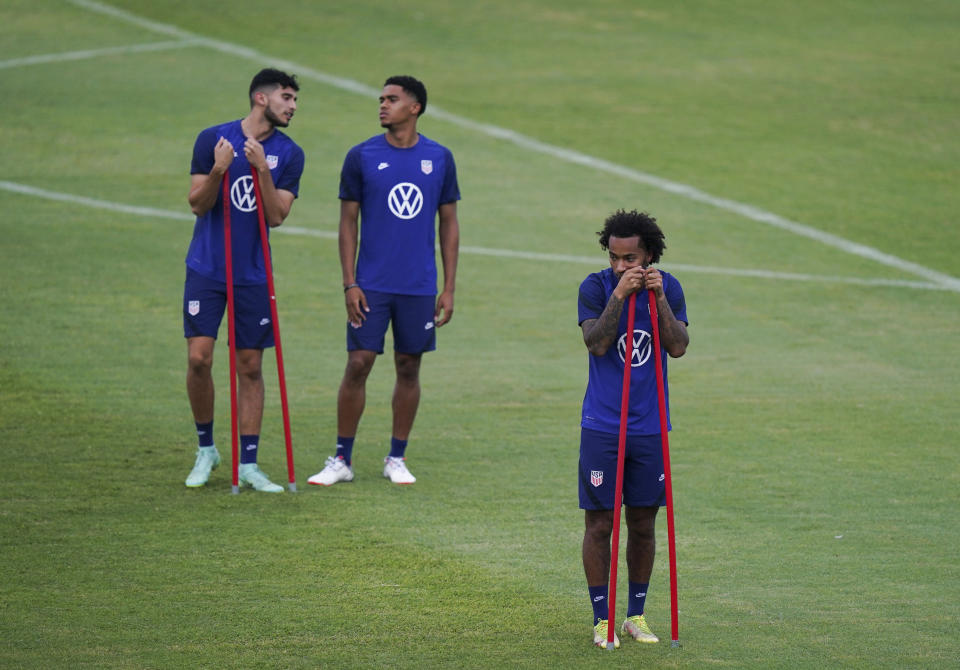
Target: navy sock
(598,598)
(248,448)
(397,447)
(205,434)
(638,597)
(345,448)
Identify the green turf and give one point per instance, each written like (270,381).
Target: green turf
(815,475)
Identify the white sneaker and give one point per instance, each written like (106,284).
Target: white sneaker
(396,471)
(335,470)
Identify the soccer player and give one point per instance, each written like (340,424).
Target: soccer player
(256,142)
(397,185)
(633,241)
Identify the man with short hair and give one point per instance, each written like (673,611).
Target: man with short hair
(397,185)
(633,241)
(252,142)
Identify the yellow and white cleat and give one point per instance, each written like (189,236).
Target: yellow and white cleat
(600,635)
(637,628)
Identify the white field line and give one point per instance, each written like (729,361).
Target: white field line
(683,190)
(96,53)
(22,189)
(598,260)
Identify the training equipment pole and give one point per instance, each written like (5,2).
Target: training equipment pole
(662,399)
(231,328)
(268,265)
(628,346)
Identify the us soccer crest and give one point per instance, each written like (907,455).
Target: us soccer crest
(596,477)
(193,307)
(272,161)
(426,166)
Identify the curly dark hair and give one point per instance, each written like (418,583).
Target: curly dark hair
(414,88)
(634,224)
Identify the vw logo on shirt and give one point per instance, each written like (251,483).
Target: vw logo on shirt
(641,350)
(405,200)
(242,194)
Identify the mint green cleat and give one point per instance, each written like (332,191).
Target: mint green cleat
(252,476)
(207,459)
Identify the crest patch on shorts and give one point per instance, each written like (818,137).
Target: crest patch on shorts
(193,307)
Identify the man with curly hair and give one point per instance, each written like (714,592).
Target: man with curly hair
(633,241)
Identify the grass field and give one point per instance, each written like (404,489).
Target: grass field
(802,159)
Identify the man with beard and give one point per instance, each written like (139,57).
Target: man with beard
(253,142)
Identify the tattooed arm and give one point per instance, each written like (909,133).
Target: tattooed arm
(600,333)
(673,333)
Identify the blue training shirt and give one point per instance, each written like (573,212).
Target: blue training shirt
(206,254)
(601,402)
(399,191)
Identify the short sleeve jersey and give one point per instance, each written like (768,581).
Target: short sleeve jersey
(206,254)
(399,191)
(601,402)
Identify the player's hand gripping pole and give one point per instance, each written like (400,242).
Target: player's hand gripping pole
(662,400)
(621,451)
(231,332)
(268,265)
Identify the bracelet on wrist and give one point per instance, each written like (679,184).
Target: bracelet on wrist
(350,286)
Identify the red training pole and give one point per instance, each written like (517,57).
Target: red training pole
(628,346)
(268,265)
(231,339)
(665,441)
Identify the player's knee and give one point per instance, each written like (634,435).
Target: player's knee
(250,375)
(408,377)
(200,361)
(249,365)
(358,368)
(641,522)
(408,370)
(598,524)
(250,371)
(643,534)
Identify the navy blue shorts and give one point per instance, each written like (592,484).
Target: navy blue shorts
(643,480)
(411,317)
(205,301)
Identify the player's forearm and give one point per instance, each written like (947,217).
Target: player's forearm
(275,210)
(600,336)
(449,253)
(348,261)
(204,191)
(348,242)
(673,333)
(449,233)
